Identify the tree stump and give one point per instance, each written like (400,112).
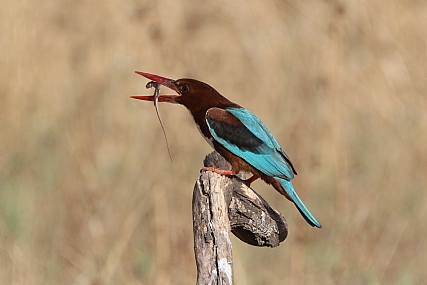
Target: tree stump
(222,205)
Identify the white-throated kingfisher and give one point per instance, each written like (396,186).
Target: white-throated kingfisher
(235,133)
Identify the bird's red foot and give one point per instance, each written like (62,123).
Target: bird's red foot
(219,171)
(249,181)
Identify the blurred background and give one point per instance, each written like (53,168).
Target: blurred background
(89,195)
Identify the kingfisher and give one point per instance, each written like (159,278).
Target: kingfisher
(235,133)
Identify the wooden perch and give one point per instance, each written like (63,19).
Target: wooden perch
(222,205)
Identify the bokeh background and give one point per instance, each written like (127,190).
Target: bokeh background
(89,195)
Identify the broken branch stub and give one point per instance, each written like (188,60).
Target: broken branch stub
(222,205)
(252,219)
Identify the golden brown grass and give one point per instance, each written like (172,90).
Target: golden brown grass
(89,196)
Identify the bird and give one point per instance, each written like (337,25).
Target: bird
(235,133)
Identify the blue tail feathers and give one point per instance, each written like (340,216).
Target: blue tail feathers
(287,186)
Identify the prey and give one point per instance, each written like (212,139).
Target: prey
(156,86)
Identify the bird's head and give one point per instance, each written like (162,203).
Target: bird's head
(193,94)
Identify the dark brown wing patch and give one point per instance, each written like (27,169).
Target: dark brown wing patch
(231,129)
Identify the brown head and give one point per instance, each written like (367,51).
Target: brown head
(193,94)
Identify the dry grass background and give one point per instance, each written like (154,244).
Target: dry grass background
(89,196)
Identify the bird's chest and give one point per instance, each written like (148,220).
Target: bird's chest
(202,127)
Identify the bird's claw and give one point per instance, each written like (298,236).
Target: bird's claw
(249,181)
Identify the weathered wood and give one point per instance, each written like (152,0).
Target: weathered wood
(211,228)
(222,204)
(253,221)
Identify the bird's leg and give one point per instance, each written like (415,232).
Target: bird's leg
(219,171)
(249,181)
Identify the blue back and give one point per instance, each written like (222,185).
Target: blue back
(249,139)
(266,156)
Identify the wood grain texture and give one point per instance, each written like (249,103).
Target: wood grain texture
(222,205)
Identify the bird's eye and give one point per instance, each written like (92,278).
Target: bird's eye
(185,88)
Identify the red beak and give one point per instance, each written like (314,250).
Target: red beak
(170,83)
